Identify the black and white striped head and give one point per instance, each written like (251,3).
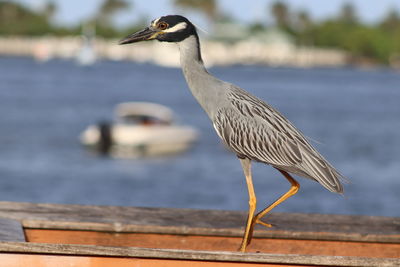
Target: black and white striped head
(171,28)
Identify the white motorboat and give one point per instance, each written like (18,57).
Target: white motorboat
(141,129)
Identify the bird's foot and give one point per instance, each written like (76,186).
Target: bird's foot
(247,242)
(263,223)
(243,246)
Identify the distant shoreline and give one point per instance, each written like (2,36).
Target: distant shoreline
(214,53)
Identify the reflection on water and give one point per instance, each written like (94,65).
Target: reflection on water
(354,116)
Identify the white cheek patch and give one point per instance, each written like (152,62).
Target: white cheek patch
(177,27)
(154,23)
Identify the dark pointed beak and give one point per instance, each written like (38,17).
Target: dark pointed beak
(143,35)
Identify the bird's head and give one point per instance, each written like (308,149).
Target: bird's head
(171,28)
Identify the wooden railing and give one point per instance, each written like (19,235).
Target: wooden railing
(185,237)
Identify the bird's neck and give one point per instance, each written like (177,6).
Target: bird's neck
(191,61)
(197,77)
(190,50)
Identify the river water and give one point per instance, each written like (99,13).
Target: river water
(353,114)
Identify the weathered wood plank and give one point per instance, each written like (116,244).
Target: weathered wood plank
(201,222)
(38,260)
(89,250)
(11,230)
(215,243)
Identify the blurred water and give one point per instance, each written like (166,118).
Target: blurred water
(354,114)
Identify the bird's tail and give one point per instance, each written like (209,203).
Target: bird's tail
(323,172)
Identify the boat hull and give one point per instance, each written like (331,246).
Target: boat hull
(134,141)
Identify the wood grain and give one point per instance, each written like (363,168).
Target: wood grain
(201,222)
(196,235)
(216,243)
(11,230)
(13,260)
(213,256)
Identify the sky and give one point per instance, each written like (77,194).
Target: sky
(72,11)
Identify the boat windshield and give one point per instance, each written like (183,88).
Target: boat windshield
(143,120)
(144,113)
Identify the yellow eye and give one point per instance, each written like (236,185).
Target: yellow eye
(162,25)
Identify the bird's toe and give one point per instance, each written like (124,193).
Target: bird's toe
(264,223)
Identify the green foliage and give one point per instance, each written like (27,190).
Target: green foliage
(359,40)
(377,42)
(208,7)
(17,20)
(107,9)
(280,12)
(256,27)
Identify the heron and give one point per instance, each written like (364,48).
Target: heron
(251,128)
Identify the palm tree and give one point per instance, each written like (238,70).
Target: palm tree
(49,9)
(108,8)
(208,7)
(304,20)
(280,12)
(304,28)
(348,14)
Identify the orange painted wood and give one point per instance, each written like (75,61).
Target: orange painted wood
(214,243)
(25,260)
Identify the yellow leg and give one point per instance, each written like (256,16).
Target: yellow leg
(257,219)
(246,165)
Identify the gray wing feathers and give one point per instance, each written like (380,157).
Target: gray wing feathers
(257,131)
